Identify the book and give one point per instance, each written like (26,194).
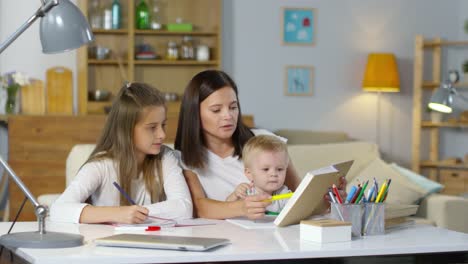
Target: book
(400,210)
(325,231)
(264,223)
(399,222)
(157,224)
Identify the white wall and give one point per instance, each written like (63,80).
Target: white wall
(25,54)
(347,31)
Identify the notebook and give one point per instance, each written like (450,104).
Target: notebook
(307,200)
(161,242)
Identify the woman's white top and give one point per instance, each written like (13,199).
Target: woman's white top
(221,176)
(95,180)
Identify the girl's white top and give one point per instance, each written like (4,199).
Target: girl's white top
(95,180)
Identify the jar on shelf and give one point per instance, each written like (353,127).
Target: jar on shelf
(96,15)
(172,52)
(156,16)
(187,51)
(203,53)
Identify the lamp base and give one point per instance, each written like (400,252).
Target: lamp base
(37,240)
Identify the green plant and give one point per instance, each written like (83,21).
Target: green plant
(466,26)
(465,66)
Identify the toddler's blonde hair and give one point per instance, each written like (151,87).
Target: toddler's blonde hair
(262,143)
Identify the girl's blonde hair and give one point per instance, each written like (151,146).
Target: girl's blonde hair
(116,141)
(259,144)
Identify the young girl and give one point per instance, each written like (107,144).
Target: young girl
(131,153)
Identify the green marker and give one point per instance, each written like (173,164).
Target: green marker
(362,192)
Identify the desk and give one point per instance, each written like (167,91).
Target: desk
(247,245)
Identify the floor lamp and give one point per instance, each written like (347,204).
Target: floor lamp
(381,75)
(63,27)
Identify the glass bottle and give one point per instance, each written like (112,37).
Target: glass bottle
(96,15)
(172,51)
(155,22)
(116,14)
(187,51)
(142,16)
(108,17)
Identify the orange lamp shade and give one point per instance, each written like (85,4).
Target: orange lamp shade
(381,73)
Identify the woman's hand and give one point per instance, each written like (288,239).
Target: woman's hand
(255,206)
(133,214)
(341,190)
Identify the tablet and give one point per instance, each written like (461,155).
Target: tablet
(161,242)
(307,200)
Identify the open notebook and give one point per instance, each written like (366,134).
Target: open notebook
(161,242)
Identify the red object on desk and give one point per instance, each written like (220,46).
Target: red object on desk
(337,194)
(153,228)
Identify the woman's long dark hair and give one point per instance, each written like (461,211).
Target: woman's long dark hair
(189,138)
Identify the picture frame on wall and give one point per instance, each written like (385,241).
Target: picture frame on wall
(299,80)
(299,26)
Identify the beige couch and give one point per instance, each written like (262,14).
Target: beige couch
(441,210)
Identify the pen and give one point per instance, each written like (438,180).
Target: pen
(381,192)
(335,191)
(280,197)
(362,192)
(332,196)
(351,194)
(130,200)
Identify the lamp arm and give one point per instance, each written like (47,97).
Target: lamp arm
(40,210)
(456,92)
(45,7)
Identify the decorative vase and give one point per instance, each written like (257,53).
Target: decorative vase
(11,102)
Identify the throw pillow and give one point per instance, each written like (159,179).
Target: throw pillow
(421,181)
(402,190)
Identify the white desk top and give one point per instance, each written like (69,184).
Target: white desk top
(258,244)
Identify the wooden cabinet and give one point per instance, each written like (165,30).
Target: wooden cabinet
(453,176)
(166,75)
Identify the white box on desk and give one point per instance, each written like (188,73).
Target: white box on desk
(325,231)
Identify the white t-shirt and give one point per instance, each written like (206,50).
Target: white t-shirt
(277,206)
(222,175)
(95,180)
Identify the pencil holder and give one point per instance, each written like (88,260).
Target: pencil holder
(374,219)
(349,213)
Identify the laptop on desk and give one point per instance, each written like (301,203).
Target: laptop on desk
(161,242)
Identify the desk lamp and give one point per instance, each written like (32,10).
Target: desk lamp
(442,98)
(63,28)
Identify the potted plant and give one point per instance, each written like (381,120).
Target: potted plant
(465,71)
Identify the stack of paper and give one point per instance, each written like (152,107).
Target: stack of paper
(399,210)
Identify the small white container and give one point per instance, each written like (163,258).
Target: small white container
(203,53)
(325,231)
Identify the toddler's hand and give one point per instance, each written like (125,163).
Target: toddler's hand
(241,190)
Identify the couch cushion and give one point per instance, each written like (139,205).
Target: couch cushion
(308,157)
(402,190)
(421,181)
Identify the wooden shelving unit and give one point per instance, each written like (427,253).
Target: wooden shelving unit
(453,176)
(166,75)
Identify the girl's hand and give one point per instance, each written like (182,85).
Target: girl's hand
(341,190)
(255,206)
(133,214)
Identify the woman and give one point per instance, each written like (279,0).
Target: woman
(210,137)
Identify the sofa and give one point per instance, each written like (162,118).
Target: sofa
(440,210)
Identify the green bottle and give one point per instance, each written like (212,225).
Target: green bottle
(142,16)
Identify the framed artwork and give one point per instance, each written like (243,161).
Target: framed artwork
(299,26)
(299,80)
